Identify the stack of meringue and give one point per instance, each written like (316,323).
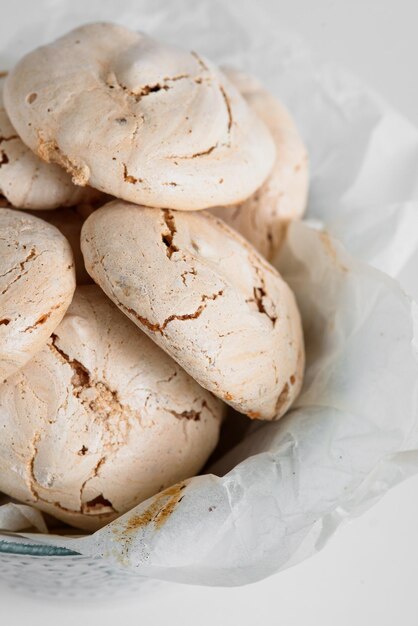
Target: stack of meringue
(112,146)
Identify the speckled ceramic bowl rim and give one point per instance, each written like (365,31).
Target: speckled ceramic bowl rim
(39,550)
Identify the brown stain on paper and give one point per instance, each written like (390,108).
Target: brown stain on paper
(159,511)
(331,251)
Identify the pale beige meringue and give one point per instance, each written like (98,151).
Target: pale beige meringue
(206,296)
(37,282)
(101,419)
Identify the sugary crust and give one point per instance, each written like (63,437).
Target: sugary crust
(101,419)
(262,218)
(206,297)
(26,181)
(37,282)
(139,120)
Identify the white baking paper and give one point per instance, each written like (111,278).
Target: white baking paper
(16,517)
(282,492)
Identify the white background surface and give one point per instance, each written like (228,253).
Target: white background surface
(367,575)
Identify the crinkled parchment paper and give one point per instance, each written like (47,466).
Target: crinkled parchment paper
(281,493)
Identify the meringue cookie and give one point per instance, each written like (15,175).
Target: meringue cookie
(100,419)
(139,120)
(37,282)
(205,296)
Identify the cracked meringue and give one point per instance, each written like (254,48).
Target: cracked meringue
(205,296)
(140,120)
(263,217)
(101,419)
(37,282)
(26,181)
